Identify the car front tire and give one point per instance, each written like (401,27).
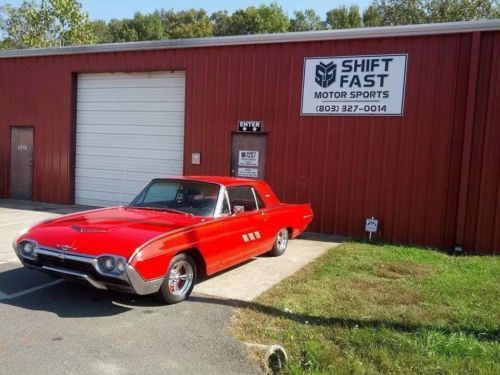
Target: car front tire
(179,280)
(280,243)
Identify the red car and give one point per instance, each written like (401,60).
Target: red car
(175,231)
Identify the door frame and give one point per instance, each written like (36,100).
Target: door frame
(233,133)
(9,160)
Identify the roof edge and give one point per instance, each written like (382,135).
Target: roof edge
(292,37)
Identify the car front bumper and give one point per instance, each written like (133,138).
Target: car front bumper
(83,268)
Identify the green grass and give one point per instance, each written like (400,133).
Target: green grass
(368,309)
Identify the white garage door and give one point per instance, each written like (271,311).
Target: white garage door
(129,129)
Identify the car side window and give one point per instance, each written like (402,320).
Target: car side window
(242,198)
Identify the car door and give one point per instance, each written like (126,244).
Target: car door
(244,226)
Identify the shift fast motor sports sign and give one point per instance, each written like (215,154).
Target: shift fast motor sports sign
(371,85)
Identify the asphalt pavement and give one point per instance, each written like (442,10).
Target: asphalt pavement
(50,326)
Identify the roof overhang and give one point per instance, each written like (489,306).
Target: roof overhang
(295,37)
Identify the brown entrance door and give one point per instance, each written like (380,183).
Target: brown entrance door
(21,163)
(248,156)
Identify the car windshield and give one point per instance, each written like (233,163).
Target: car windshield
(183,196)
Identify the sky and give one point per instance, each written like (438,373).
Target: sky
(108,9)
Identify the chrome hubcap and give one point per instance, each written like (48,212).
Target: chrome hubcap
(180,278)
(282,239)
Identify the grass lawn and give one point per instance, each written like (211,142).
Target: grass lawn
(365,308)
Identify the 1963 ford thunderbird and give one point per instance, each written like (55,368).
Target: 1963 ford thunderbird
(175,231)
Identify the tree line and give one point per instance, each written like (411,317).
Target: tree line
(47,23)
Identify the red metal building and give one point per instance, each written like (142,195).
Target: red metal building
(100,115)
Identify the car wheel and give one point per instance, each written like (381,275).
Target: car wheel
(280,243)
(179,280)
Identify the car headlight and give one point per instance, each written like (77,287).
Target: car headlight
(112,265)
(27,249)
(120,265)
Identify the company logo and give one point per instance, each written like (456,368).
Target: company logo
(325,74)
(65,248)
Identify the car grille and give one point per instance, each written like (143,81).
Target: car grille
(66,263)
(52,261)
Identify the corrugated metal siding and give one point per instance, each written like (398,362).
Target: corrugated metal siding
(403,170)
(482,232)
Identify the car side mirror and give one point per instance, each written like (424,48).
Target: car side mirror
(238,210)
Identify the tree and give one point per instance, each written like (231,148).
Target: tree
(371,17)
(400,12)
(460,10)
(252,20)
(221,22)
(272,19)
(343,17)
(102,32)
(47,23)
(405,12)
(306,20)
(192,23)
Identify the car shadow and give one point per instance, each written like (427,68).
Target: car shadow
(71,300)
(346,322)
(65,299)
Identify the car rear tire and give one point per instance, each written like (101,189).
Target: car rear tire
(280,243)
(179,280)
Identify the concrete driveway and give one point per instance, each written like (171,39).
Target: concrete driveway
(52,326)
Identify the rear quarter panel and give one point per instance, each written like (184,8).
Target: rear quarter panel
(296,217)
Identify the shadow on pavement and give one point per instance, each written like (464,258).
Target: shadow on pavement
(66,300)
(346,322)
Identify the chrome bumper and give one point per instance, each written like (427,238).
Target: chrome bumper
(129,281)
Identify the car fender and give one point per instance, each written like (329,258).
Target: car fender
(151,260)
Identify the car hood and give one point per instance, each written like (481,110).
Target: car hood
(117,230)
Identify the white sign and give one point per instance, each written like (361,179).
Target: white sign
(247,172)
(248,158)
(371,225)
(354,85)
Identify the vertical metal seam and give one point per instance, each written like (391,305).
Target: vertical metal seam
(467,145)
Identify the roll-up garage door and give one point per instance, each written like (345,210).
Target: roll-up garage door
(129,129)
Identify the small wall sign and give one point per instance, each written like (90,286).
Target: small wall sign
(248,172)
(248,158)
(195,158)
(250,126)
(371,225)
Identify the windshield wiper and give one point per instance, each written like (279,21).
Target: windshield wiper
(161,209)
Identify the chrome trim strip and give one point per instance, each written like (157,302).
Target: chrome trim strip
(306,36)
(220,199)
(255,198)
(66,255)
(84,276)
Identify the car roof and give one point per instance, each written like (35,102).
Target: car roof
(223,180)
